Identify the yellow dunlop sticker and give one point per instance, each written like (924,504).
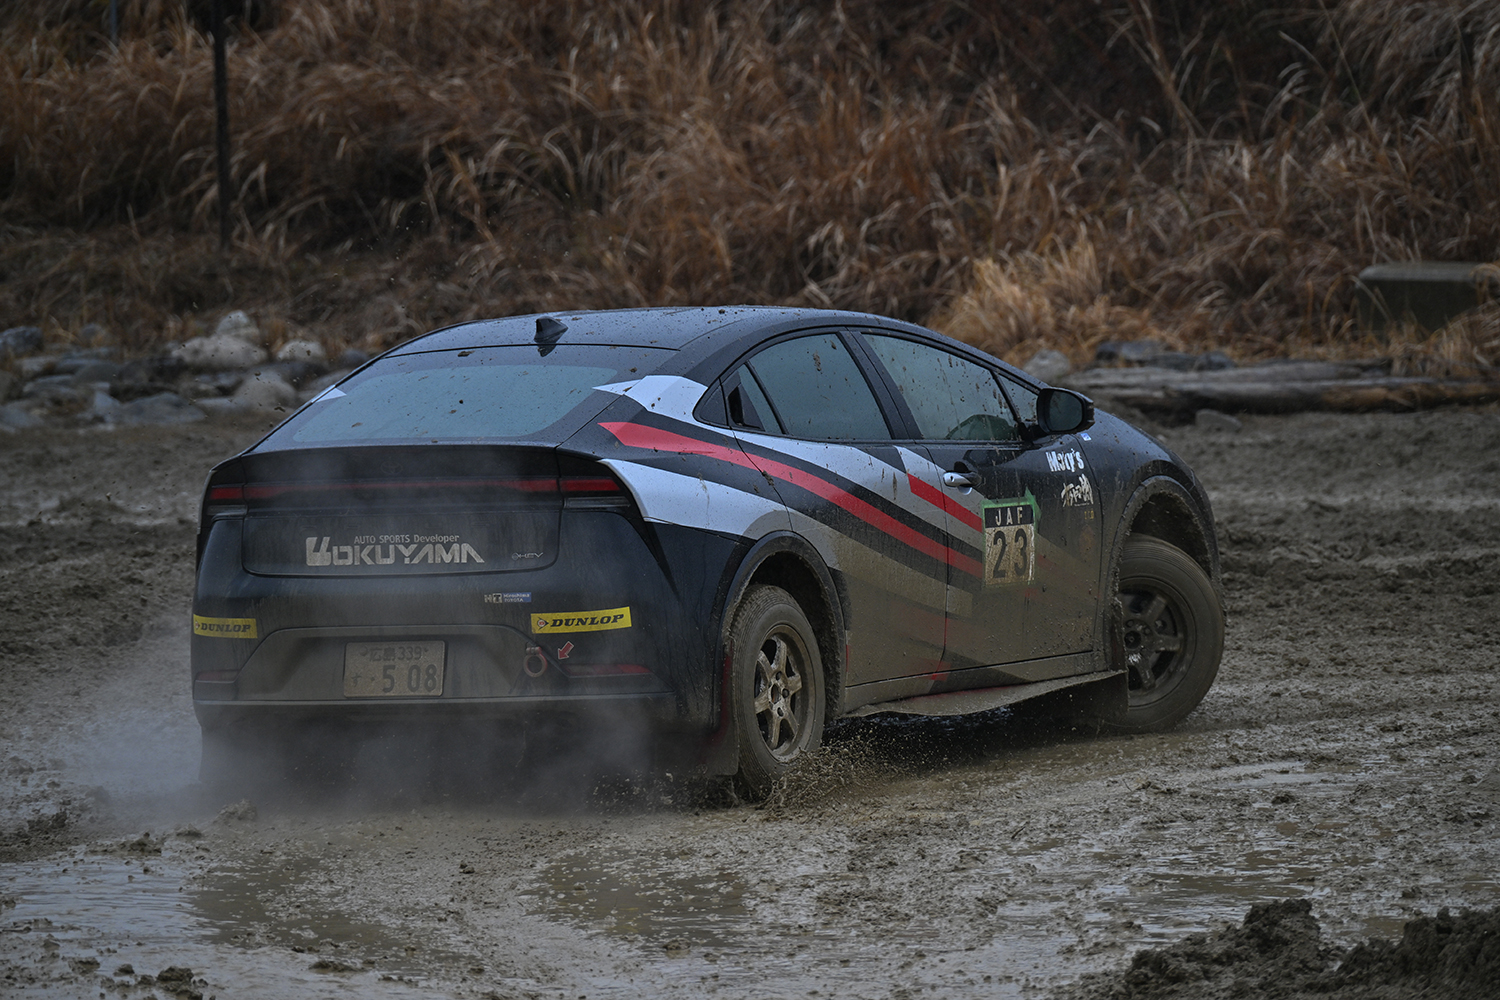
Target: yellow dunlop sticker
(224,628)
(581,621)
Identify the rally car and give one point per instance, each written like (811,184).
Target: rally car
(726,526)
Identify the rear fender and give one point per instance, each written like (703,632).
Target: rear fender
(787,560)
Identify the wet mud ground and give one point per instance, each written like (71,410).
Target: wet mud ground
(1347,756)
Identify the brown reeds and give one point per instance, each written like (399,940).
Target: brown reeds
(1020,174)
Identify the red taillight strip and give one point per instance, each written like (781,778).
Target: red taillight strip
(226,494)
(642,436)
(270,491)
(584,484)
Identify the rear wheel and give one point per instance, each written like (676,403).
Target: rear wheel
(777,690)
(1168,634)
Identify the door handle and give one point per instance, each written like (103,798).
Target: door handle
(958,480)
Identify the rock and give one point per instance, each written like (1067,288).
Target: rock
(94,335)
(219,353)
(1214,361)
(10,387)
(265,390)
(1213,420)
(105,406)
(211,384)
(163,408)
(240,326)
(30,368)
(15,417)
(1049,366)
(161,368)
(352,357)
(56,394)
(292,372)
(302,350)
(20,341)
(1177,361)
(1127,352)
(97,371)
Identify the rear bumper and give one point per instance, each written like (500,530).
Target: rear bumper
(655,709)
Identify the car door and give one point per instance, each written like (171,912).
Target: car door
(1027,505)
(808,418)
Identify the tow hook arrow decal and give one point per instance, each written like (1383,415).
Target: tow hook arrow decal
(564,650)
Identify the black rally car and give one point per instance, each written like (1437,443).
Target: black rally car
(728,526)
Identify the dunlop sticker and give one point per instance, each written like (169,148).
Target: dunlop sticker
(225,628)
(581,621)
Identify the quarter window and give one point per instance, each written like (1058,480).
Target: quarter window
(815,390)
(951,398)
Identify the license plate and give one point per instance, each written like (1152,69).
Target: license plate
(394,669)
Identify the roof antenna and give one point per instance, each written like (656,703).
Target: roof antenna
(548,332)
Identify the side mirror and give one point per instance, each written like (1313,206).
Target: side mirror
(1063,411)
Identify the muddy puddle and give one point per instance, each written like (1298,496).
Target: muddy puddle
(118,919)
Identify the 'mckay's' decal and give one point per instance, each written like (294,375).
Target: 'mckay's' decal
(1065,461)
(405,550)
(225,628)
(642,436)
(1010,541)
(581,621)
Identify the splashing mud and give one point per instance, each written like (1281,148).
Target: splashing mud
(1346,757)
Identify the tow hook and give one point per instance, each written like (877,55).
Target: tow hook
(535,663)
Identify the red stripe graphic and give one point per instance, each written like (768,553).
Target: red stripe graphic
(933,495)
(641,436)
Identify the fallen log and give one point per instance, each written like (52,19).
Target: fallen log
(1279,388)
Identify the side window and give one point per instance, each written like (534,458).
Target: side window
(951,398)
(813,389)
(748,406)
(1022,397)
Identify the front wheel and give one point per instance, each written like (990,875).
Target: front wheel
(1168,634)
(777,691)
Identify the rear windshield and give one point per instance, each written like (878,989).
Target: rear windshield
(480,394)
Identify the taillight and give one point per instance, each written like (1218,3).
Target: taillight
(223,499)
(532,485)
(579,485)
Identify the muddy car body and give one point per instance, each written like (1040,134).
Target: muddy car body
(728,526)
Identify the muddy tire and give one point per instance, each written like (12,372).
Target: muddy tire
(1167,634)
(776,688)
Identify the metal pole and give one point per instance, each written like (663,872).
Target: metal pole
(221,107)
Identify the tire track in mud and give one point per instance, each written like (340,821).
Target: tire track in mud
(1346,755)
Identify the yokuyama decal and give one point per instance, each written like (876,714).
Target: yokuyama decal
(387,550)
(581,621)
(1010,541)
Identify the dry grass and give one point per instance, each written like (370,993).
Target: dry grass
(1020,174)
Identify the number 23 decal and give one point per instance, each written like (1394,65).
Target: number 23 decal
(1009,543)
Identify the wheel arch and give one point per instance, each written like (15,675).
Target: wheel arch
(787,560)
(1163,508)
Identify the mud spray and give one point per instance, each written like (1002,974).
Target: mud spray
(1346,760)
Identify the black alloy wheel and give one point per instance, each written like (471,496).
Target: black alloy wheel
(1168,634)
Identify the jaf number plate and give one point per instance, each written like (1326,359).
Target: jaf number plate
(394,669)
